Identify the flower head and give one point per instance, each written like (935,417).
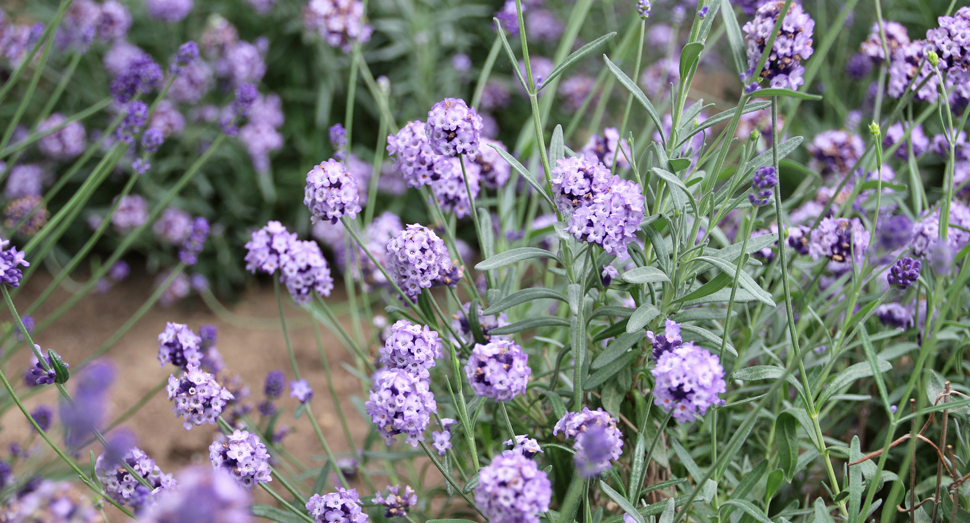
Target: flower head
(342,506)
(792,46)
(168,10)
(43,416)
(198,397)
(26,215)
(688,380)
(267,248)
(904,273)
(498,370)
(331,192)
(449,186)
(207,493)
(525,445)
(460,323)
(10,261)
(65,143)
(835,152)
(51,501)
(400,403)
(840,240)
(122,486)
(493,170)
(178,345)
(418,260)
(413,154)
(643,8)
(605,149)
(896,134)
(242,455)
(411,347)
(454,128)
(762,184)
(396,503)
(304,270)
(189,253)
(301,391)
(512,489)
(597,440)
(669,340)
(895,315)
(339,22)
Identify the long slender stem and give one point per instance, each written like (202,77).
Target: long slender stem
(449,479)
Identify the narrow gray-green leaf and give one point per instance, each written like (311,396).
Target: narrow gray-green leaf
(735,39)
(722,295)
(786,438)
(731,252)
(508,51)
(744,279)
(487,233)
(750,107)
(659,246)
(602,375)
(557,147)
(639,275)
(667,516)
(523,296)
(748,508)
(576,56)
(712,339)
(674,182)
(784,149)
(847,377)
(768,93)
(642,316)
(617,348)
(625,505)
(637,93)
(514,256)
(529,324)
(688,56)
(765,372)
(529,177)
(874,365)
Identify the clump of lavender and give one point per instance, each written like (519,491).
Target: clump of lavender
(605,149)
(441,441)
(400,403)
(462,328)
(418,260)
(512,489)
(136,116)
(246,95)
(44,500)
(396,503)
(29,212)
(525,445)
(454,128)
(841,240)
(762,184)
(895,315)
(141,77)
(643,8)
(202,490)
(189,253)
(413,154)
(493,171)
(10,261)
(26,180)
(38,373)
(602,209)
(793,45)
(331,192)
(173,226)
(338,140)
(904,273)
(198,397)
(340,506)
(669,340)
(498,370)
(896,133)
(597,440)
(65,143)
(123,487)
(896,37)
(170,11)
(304,270)
(449,187)
(411,347)
(926,231)
(180,346)
(339,22)
(267,247)
(242,455)
(909,64)
(835,152)
(687,381)
(300,390)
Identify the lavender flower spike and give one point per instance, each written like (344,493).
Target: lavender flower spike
(454,128)
(400,404)
(199,399)
(342,506)
(396,503)
(331,192)
(765,179)
(411,347)
(244,456)
(498,370)
(688,380)
(512,489)
(904,273)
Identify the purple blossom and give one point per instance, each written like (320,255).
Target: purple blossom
(666,342)
(267,247)
(168,10)
(460,324)
(206,493)
(909,66)
(441,441)
(338,140)
(411,347)
(413,154)
(525,445)
(453,128)
(894,232)
(189,253)
(904,273)
(449,186)
(38,373)
(301,391)
(173,226)
(304,270)
(88,410)
(275,381)
(242,63)
(400,403)
(597,440)
(543,25)
(508,17)
(342,506)
(115,21)
(122,487)
(495,96)
(152,140)
(339,22)
(643,9)
(461,62)
(141,77)
(45,500)
(604,149)
(768,253)
(43,416)
(66,143)
(418,260)
(193,82)
(243,456)
(260,139)
(120,57)
(396,503)
(687,381)
(512,489)
(79,26)
(608,274)
(498,370)
(132,212)
(702,12)
(793,45)
(840,240)
(187,53)
(25,180)
(331,192)
(895,315)
(896,37)
(926,231)
(493,170)
(136,116)
(858,66)
(28,211)
(574,90)
(762,185)
(198,397)
(835,152)
(180,346)
(895,134)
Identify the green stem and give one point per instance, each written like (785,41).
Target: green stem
(450,480)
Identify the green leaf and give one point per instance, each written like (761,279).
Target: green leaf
(574,57)
(659,246)
(675,183)
(641,317)
(625,505)
(688,56)
(744,279)
(599,377)
(686,460)
(786,438)
(765,372)
(557,147)
(523,296)
(784,149)
(617,349)
(856,486)
(847,377)
(529,177)
(767,93)
(512,60)
(749,509)
(529,324)
(475,323)
(668,514)
(822,514)
(874,365)
(275,514)
(487,233)
(514,256)
(558,407)
(722,295)
(746,485)
(679,164)
(735,39)
(640,275)
(724,116)
(712,339)
(637,93)
(637,469)
(701,314)
(731,252)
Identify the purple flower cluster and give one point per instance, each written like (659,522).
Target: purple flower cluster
(132,212)
(493,170)
(542,25)
(413,154)
(904,273)
(835,152)
(597,440)
(304,270)
(418,260)
(896,133)
(762,184)
(180,346)
(411,347)
(136,116)
(141,76)
(604,149)
(643,8)
(449,186)
(44,500)
(574,90)
(65,143)
(123,487)
(400,403)
(602,209)
(687,380)
(926,232)
(909,65)
(498,370)
(342,506)
(199,399)
(242,455)
(895,315)
(460,323)
(202,491)
(509,17)
(331,192)
(28,211)
(512,489)
(454,128)
(768,253)
(525,445)
(43,416)
(792,46)
(25,180)
(896,37)
(246,95)
(38,373)
(266,248)
(395,503)
(841,240)
(260,135)
(10,260)
(168,10)
(173,226)
(189,253)
(339,22)
(951,44)
(666,342)
(89,408)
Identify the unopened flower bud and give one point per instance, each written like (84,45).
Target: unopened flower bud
(874,130)
(933,58)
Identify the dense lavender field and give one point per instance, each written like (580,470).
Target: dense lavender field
(602,261)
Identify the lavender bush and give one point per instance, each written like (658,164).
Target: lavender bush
(603,261)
